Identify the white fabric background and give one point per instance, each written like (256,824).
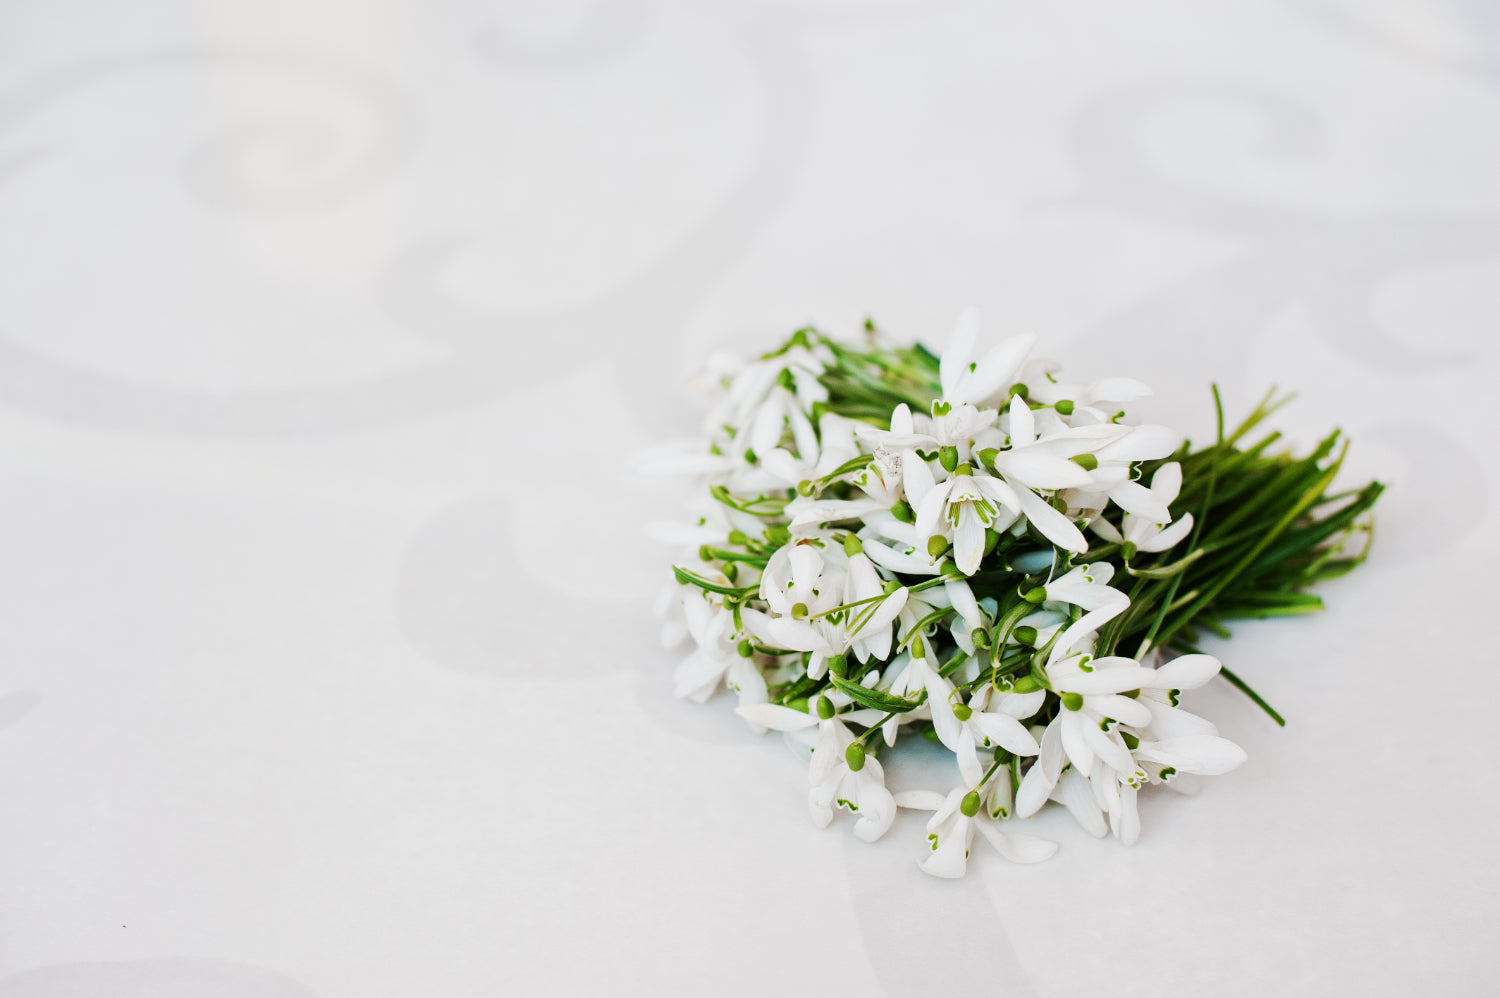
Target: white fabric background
(327,331)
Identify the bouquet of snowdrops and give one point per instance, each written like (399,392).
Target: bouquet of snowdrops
(974,550)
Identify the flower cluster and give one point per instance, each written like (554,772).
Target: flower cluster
(888,543)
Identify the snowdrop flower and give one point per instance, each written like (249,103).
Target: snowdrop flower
(992,719)
(969,504)
(716,656)
(1143,534)
(1110,480)
(966,380)
(951,831)
(838,776)
(898,445)
(849,780)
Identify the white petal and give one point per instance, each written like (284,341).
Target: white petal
(930,513)
(953,367)
(916,479)
(1186,672)
(1034,791)
(997,371)
(1075,794)
(1122,709)
(1022,423)
(1007,732)
(1042,470)
(1146,442)
(962,598)
(1075,745)
(968,540)
(1016,847)
(1167,481)
(1170,537)
(1203,754)
(1133,497)
(920,800)
(1053,525)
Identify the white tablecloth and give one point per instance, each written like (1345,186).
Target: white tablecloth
(327,334)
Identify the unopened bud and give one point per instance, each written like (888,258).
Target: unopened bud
(1025,635)
(1072,701)
(903,512)
(1064,407)
(852,545)
(970,805)
(1035,595)
(936,545)
(744,649)
(963,711)
(799,610)
(948,458)
(854,757)
(1026,684)
(825,708)
(838,665)
(1018,389)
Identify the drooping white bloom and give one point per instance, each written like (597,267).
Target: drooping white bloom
(963,508)
(951,830)
(1149,535)
(970,380)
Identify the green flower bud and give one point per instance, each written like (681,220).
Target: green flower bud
(1064,407)
(825,708)
(798,703)
(1035,595)
(738,538)
(991,541)
(750,457)
(807,489)
(1027,684)
(706,553)
(854,756)
(987,456)
(1025,635)
(903,512)
(966,469)
(1072,701)
(980,637)
(936,545)
(1128,551)
(1018,389)
(838,665)
(852,545)
(799,610)
(970,805)
(948,458)
(744,649)
(963,711)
